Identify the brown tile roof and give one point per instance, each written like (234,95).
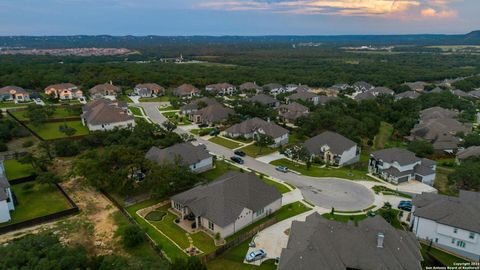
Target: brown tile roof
(186,89)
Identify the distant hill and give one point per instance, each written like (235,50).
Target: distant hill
(472,38)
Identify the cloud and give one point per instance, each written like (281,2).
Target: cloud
(430,12)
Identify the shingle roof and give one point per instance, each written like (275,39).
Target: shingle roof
(218,86)
(407,94)
(302,88)
(263,99)
(436,90)
(249,86)
(271,86)
(153,87)
(7,89)
(472,151)
(336,142)
(461,212)
(382,91)
(305,96)
(186,152)
(222,200)
(362,85)
(319,243)
(460,93)
(215,113)
(185,89)
(292,111)
(401,156)
(256,124)
(365,96)
(102,88)
(437,112)
(61,86)
(195,103)
(104,111)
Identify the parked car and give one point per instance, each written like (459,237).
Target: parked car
(237,160)
(281,169)
(214,132)
(405,205)
(202,125)
(239,153)
(255,255)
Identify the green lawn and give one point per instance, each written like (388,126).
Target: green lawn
(60,112)
(445,258)
(280,187)
(342,172)
(384,134)
(136,111)
(224,142)
(255,151)
(15,169)
(388,191)
(197,131)
(123,98)
(50,131)
(286,211)
(167,246)
(155,99)
(168,108)
(10,104)
(441,181)
(345,218)
(233,260)
(37,201)
(177,119)
(221,167)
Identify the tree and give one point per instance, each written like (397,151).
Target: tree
(467,175)
(300,153)
(421,148)
(132,236)
(263,140)
(37,115)
(39,163)
(169,126)
(192,263)
(67,130)
(47,178)
(472,139)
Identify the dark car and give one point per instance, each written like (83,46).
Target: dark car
(202,125)
(406,207)
(237,160)
(239,153)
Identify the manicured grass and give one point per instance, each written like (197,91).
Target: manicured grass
(15,169)
(8,104)
(286,211)
(176,118)
(445,258)
(224,142)
(384,133)
(49,131)
(280,187)
(197,131)
(167,246)
(123,98)
(221,168)
(136,111)
(254,151)
(343,172)
(233,260)
(388,191)
(60,112)
(39,200)
(155,99)
(345,218)
(168,108)
(155,215)
(441,181)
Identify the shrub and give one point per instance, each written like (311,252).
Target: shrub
(132,236)
(155,215)
(66,148)
(3,147)
(27,143)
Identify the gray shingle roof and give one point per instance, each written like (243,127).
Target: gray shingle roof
(7,89)
(365,96)
(222,200)
(186,153)
(437,112)
(249,86)
(102,111)
(218,86)
(263,99)
(472,151)
(195,103)
(319,243)
(152,87)
(305,96)
(461,212)
(401,156)
(214,113)
(336,142)
(382,91)
(256,124)
(271,86)
(186,89)
(407,94)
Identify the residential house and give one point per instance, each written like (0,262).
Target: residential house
(305,97)
(291,87)
(472,151)
(228,204)
(291,112)
(475,94)
(416,86)
(197,104)
(274,88)
(221,89)
(437,113)
(253,127)
(14,93)
(459,93)
(364,96)
(451,223)
(322,100)
(64,91)
(6,197)
(398,165)
(249,86)
(362,86)
(333,148)
(265,100)
(147,90)
(339,87)
(382,91)
(104,90)
(211,115)
(197,158)
(186,91)
(319,243)
(103,114)
(436,90)
(407,94)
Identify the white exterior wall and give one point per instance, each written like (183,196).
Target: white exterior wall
(445,237)
(348,156)
(203,165)
(111,126)
(281,140)
(10,204)
(4,212)
(428,179)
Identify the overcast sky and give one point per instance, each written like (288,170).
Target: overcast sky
(237,17)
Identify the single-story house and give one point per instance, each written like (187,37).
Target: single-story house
(291,112)
(367,95)
(322,100)
(451,223)
(249,86)
(416,86)
(221,89)
(14,93)
(397,165)
(460,93)
(407,94)
(228,204)
(6,197)
(265,100)
(197,104)
(197,158)
(333,148)
(438,112)
(304,96)
(210,115)
(64,91)
(319,243)
(380,90)
(186,90)
(103,114)
(149,90)
(362,86)
(475,94)
(105,89)
(302,88)
(252,127)
(472,151)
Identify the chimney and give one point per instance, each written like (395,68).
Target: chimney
(111,82)
(380,238)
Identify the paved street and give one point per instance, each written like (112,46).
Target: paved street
(341,194)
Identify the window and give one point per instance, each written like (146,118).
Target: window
(211,226)
(460,244)
(455,230)
(471,235)
(436,240)
(453,240)
(259,212)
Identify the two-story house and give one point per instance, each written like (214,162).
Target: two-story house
(398,165)
(14,93)
(333,149)
(64,91)
(221,89)
(148,90)
(451,223)
(197,158)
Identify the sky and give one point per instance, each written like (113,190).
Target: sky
(237,17)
